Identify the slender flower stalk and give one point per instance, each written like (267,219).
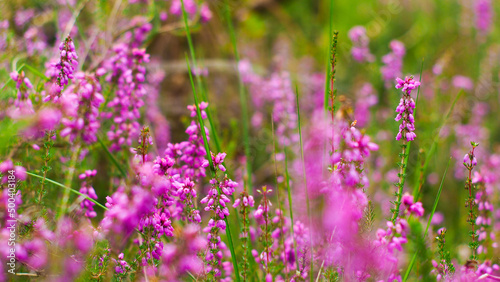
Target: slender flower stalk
(311,277)
(68,62)
(332,93)
(262,217)
(406,132)
(246,202)
(444,268)
(470,162)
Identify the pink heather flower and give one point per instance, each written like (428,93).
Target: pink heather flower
(67,63)
(205,13)
(23,16)
(393,62)
(407,199)
(360,50)
(127,69)
(189,6)
(163,16)
(367,98)
(417,209)
(405,109)
(484,14)
(460,81)
(22,105)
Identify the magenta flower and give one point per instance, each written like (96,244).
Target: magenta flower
(360,50)
(393,62)
(484,15)
(405,109)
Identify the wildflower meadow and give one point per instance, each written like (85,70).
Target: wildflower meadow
(249,140)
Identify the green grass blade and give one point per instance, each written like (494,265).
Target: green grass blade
(36,72)
(418,184)
(207,148)
(68,188)
(438,195)
(243,97)
(287,179)
(199,84)
(112,158)
(305,183)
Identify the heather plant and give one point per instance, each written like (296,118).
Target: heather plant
(193,140)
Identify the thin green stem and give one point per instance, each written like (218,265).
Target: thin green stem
(402,176)
(69,180)
(68,189)
(198,78)
(243,98)
(305,185)
(112,158)
(287,179)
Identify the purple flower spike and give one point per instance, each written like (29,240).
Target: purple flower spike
(405,109)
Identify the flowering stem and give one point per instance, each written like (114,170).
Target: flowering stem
(329,61)
(470,203)
(400,185)
(69,180)
(266,231)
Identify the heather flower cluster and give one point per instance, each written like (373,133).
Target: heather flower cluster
(82,101)
(66,66)
(405,109)
(393,62)
(23,104)
(360,50)
(127,70)
(192,140)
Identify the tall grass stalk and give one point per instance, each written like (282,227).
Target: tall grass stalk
(311,266)
(198,78)
(287,182)
(248,186)
(242,95)
(212,170)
